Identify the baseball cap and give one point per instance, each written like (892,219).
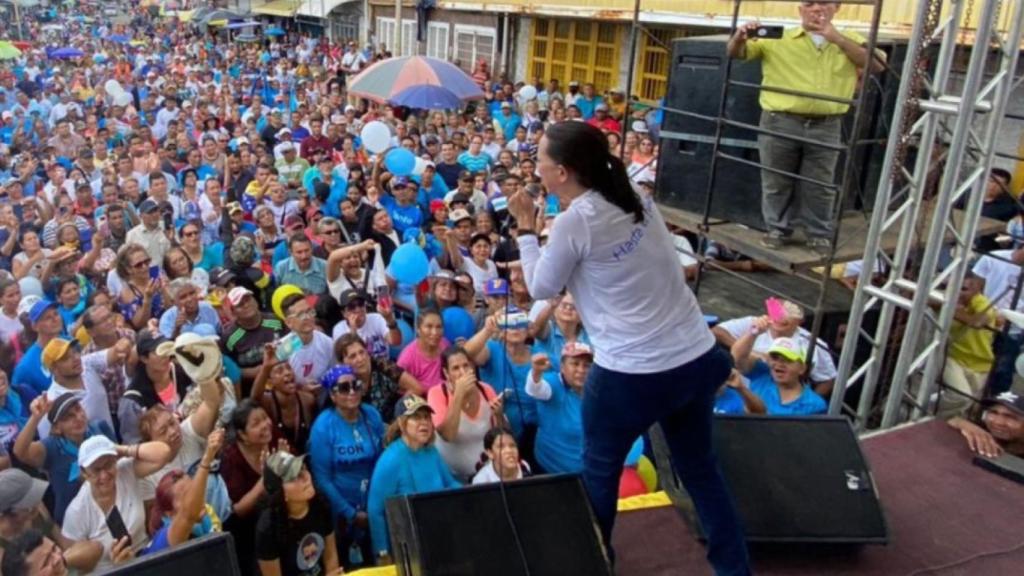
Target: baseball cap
(459,198)
(62,404)
(574,83)
(573,349)
(293,220)
(237,293)
(602,107)
(40,308)
(411,403)
(19,491)
(496,287)
(234,207)
(349,296)
(221,276)
(147,206)
(459,215)
(1011,400)
(55,350)
(287,147)
(94,448)
(466,176)
(506,104)
(788,349)
(399,182)
(27,302)
(436,204)
(149,342)
(283,131)
(281,468)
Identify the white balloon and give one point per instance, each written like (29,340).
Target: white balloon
(376,137)
(123,99)
(30,286)
(421,165)
(113,87)
(527,93)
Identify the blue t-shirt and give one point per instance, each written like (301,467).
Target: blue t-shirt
(402,471)
(213,257)
(761,383)
(30,378)
(559,446)
(729,402)
(553,343)
(479,163)
(342,456)
(403,217)
(502,374)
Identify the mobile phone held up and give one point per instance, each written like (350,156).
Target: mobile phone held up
(767,32)
(116,526)
(154,272)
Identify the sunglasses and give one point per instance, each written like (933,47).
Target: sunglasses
(332,231)
(141,264)
(350,387)
(189,234)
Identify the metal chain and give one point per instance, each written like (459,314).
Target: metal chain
(917,54)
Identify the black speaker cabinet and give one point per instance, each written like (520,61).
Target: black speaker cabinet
(211,554)
(799,480)
(695,85)
(470,531)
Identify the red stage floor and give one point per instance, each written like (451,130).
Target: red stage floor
(940,508)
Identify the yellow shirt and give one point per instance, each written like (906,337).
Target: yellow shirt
(972,347)
(794,62)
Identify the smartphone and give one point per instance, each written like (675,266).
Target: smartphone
(154,272)
(116,526)
(767,32)
(384,302)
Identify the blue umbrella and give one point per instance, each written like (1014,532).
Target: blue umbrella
(66,53)
(426,97)
(274,31)
(246,24)
(120,39)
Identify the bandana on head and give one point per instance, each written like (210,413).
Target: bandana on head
(330,378)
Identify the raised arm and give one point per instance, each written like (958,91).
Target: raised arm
(148,457)
(26,448)
(744,345)
(536,386)
(477,345)
(194,503)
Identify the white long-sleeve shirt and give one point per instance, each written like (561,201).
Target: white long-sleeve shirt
(625,277)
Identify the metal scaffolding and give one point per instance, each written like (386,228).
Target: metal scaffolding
(954,133)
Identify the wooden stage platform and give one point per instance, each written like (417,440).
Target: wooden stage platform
(943,512)
(745,240)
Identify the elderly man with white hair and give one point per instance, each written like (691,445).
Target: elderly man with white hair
(188,311)
(823,369)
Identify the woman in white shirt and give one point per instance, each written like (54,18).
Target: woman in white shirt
(653,351)
(109,507)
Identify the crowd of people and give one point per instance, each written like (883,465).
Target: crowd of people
(204,323)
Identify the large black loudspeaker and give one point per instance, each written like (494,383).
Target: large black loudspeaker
(212,554)
(695,85)
(469,531)
(799,480)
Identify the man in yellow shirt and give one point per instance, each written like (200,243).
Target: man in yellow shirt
(817,59)
(969,354)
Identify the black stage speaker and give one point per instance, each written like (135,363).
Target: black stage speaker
(211,554)
(695,85)
(799,480)
(468,531)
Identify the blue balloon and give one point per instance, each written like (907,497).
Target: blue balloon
(633,458)
(400,162)
(408,335)
(409,264)
(458,324)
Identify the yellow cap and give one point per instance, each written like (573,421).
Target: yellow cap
(282,292)
(54,351)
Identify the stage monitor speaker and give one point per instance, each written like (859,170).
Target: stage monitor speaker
(212,554)
(468,532)
(686,143)
(799,479)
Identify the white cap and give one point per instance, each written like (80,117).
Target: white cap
(237,293)
(94,448)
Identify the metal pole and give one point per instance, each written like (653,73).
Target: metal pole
(633,38)
(396,50)
(17,19)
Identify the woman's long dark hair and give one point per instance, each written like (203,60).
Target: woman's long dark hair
(583,149)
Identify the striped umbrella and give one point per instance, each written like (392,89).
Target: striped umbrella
(416,82)
(8,51)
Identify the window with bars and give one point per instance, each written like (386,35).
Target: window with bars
(437,40)
(654,61)
(473,43)
(409,46)
(576,50)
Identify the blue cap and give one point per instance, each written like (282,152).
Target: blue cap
(40,308)
(148,205)
(496,287)
(399,181)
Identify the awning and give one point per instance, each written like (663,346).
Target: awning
(185,15)
(318,9)
(283,8)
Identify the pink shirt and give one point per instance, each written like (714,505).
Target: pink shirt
(426,370)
